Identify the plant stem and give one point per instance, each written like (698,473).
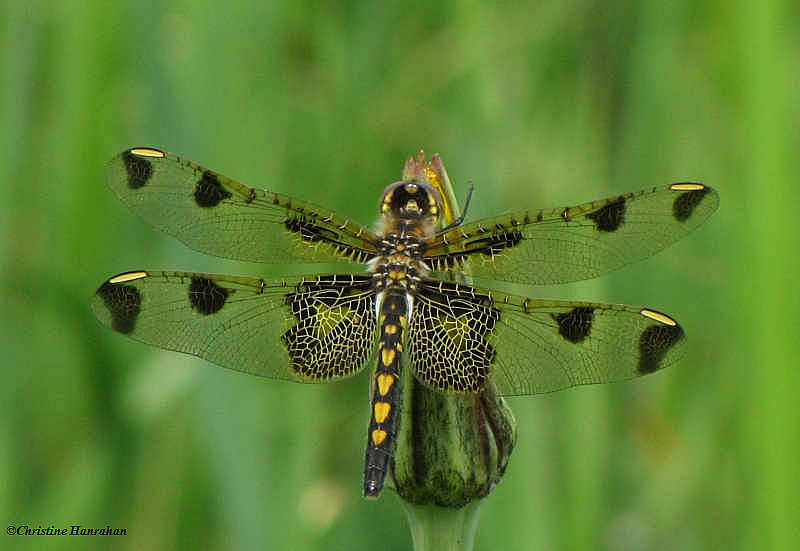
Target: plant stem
(442,528)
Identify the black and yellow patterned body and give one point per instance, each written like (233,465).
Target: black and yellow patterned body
(386,389)
(410,306)
(409,213)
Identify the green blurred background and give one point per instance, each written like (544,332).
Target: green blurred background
(540,106)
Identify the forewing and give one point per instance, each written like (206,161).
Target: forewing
(310,330)
(573,243)
(213,214)
(460,337)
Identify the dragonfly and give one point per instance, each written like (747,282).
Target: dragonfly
(406,306)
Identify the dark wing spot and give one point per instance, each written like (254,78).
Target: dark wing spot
(460,307)
(209,192)
(328,347)
(300,342)
(610,217)
(310,231)
(139,169)
(483,320)
(576,325)
(124,302)
(302,308)
(206,296)
(654,344)
(495,244)
(449,337)
(328,297)
(685,203)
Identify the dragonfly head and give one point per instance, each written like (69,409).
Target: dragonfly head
(412,200)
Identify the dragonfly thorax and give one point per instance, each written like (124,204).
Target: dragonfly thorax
(399,263)
(409,213)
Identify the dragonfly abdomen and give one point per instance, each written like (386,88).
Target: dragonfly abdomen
(386,396)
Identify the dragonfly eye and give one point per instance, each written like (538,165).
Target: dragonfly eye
(411,200)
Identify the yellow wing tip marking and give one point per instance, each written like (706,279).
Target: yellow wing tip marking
(687,186)
(658,316)
(378,436)
(148,152)
(382,410)
(385,383)
(128,276)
